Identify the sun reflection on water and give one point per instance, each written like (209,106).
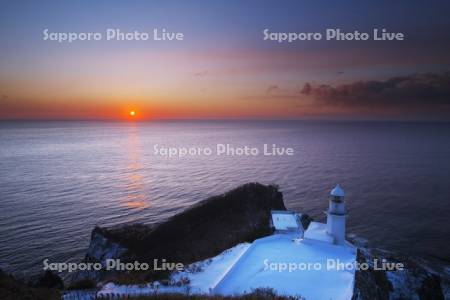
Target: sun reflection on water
(135,187)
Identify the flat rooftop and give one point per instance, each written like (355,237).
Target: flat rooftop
(318,231)
(285,220)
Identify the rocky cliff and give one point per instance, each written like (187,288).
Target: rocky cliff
(43,287)
(202,231)
(101,248)
(416,281)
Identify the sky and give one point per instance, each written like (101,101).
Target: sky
(223,68)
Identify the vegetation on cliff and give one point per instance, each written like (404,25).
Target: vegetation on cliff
(46,287)
(204,230)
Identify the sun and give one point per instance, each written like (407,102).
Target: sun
(132,113)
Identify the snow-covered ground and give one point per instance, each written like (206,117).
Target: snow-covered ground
(205,275)
(267,263)
(202,276)
(283,262)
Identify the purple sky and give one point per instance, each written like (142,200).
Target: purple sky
(223,68)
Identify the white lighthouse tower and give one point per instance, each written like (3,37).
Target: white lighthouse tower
(336,216)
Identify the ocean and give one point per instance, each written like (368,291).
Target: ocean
(60,179)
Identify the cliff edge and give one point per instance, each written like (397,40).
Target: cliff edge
(202,231)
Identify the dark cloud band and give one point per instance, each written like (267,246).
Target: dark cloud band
(429,91)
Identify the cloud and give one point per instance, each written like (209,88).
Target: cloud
(429,90)
(272,89)
(306,89)
(201,73)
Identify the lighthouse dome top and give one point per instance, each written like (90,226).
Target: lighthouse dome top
(337,191)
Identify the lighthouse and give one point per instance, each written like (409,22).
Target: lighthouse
(336,215)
